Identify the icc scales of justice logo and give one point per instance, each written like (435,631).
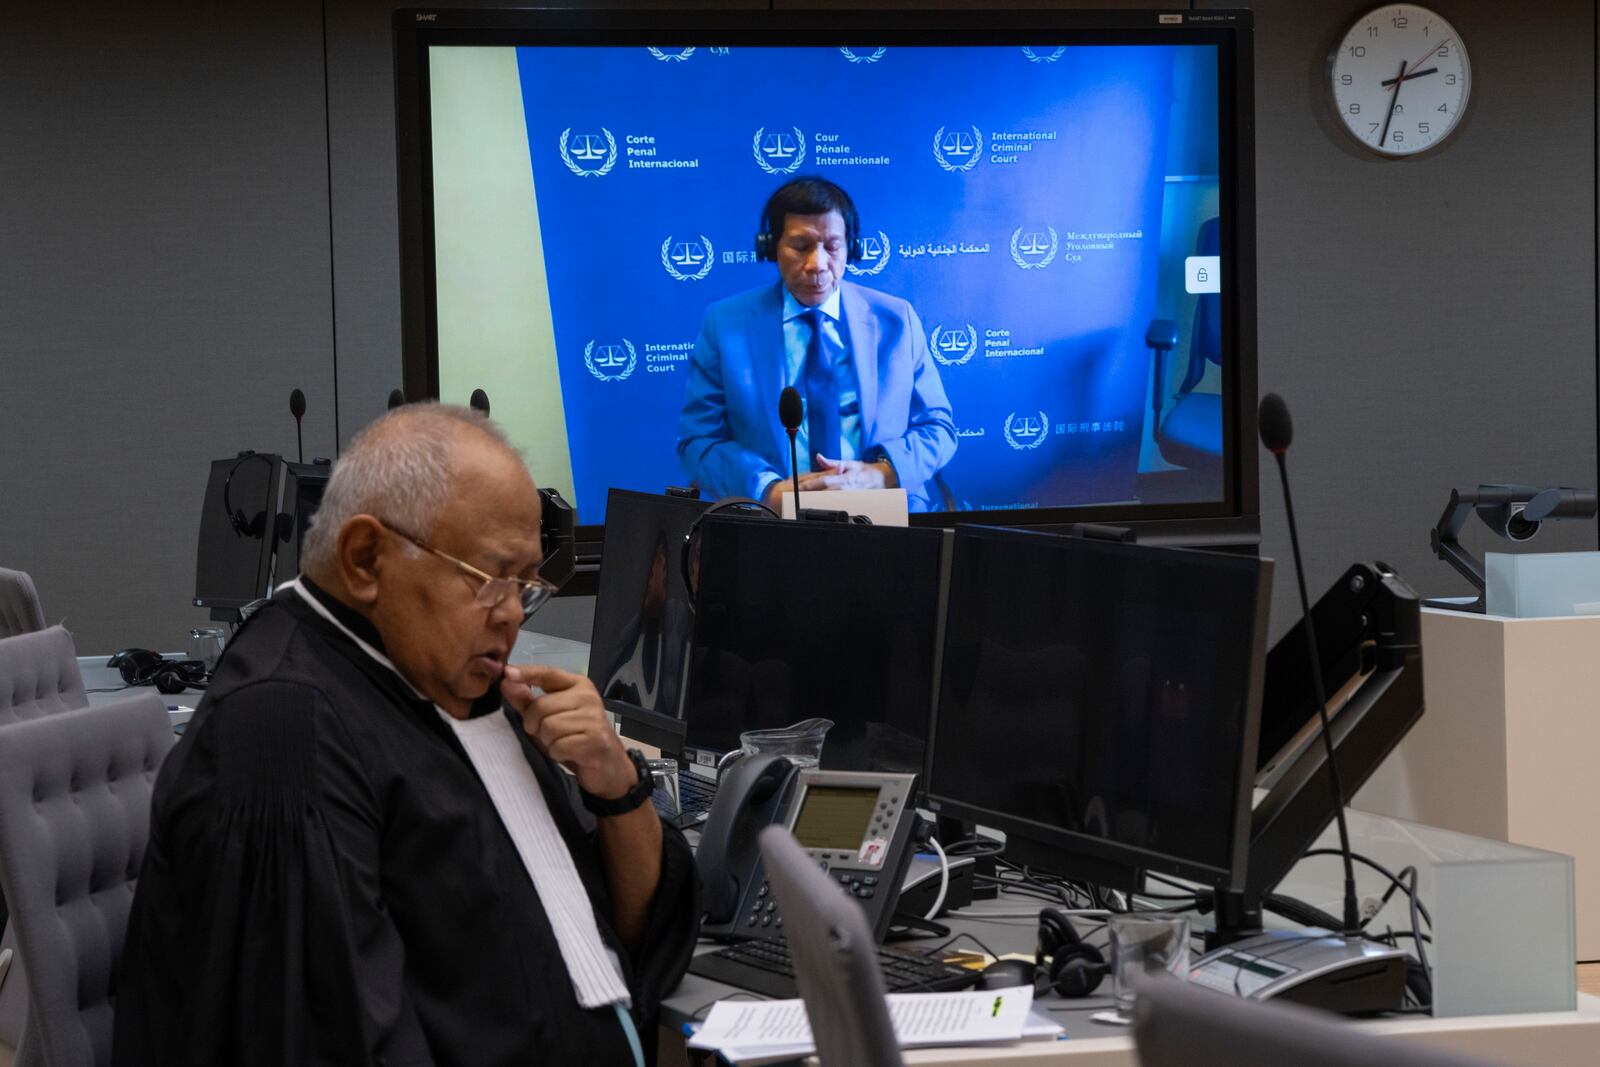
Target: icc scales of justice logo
(863,55)
(1034,249)
(1024,432)
(670,55)
(588,155)
(779,152)
(874,256)
(1044,55)
(957,150)
(687,261)
(611,362)
(953,347)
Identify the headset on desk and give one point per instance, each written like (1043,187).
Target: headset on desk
(140,666)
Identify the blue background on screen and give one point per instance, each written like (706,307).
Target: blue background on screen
(1037,325)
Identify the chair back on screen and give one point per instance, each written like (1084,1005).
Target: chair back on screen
(75,792)
(835,959)
(39,675)
(1188,429)
(20,611)
(1177,1024)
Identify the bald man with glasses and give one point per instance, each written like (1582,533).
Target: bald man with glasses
(380,842)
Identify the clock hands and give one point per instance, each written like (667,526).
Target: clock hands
(1393,100)
(1412,76)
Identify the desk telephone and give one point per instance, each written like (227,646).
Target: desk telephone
(856,825)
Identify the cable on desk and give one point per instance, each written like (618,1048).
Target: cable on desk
(976,847)
(735,995)
(944,880)
(936,949)
(1381,869)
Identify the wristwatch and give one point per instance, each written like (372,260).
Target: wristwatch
(629,800)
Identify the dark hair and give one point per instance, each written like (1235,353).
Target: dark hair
(809,196)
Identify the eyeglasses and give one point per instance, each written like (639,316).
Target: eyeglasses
(531,592)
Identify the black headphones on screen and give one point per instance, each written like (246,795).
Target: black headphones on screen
(689,553)
(253,526)
(1074,967)
(767,236)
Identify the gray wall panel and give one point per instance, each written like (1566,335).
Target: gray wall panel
(1431,322)
(165,280)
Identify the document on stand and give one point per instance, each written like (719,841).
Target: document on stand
(744,1031)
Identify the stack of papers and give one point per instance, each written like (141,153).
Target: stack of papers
(745,1031)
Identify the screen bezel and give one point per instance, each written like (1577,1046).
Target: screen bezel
(1051,846)
(1233,520)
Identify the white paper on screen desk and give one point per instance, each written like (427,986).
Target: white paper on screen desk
(744,1031)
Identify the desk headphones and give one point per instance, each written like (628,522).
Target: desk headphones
(807,196)
(1074,966)
(252,526)
(140,666)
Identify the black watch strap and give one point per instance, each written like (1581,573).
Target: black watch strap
(628,801)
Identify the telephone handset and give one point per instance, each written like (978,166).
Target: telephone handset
(856,825)
(750,796)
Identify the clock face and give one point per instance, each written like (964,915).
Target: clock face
(1400,79)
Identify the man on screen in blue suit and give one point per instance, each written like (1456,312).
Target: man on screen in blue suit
(876,415)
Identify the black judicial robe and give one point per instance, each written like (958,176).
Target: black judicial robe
(328,882)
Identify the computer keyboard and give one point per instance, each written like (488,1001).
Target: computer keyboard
(766,967)
(695,795)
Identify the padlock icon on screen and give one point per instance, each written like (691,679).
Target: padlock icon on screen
(1202,275)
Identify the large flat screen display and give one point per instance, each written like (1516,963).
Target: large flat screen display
(1043,304)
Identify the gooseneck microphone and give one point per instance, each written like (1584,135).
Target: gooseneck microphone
(1277,431)
(791,412)
(480,401)
(297,408)
(396,399)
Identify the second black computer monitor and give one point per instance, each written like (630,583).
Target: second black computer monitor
(1099,703)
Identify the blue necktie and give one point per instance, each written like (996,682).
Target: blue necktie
(822,392)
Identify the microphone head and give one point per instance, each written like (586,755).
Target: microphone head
(791,412)
(1274,424)
(396,399)
(297,403)
(480,401)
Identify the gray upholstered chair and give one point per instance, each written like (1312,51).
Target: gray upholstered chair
(1177,1024)
(835,959)
(39,675)
(75,793)
(20,612)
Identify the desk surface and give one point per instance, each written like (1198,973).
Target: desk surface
(1543,1039)
(1010,925)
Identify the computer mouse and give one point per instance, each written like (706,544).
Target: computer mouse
(1002,974)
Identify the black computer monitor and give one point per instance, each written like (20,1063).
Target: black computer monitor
(802,619)
(238,523)
(303,485)
(1099,703)
(638,651)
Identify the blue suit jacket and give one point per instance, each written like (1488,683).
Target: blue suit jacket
(729,434)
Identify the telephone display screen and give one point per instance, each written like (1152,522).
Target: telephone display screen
(833,818)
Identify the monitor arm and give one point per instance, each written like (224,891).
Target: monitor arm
(1515,512)
(1377,622)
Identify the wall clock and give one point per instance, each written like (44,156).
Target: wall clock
(1400,80)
